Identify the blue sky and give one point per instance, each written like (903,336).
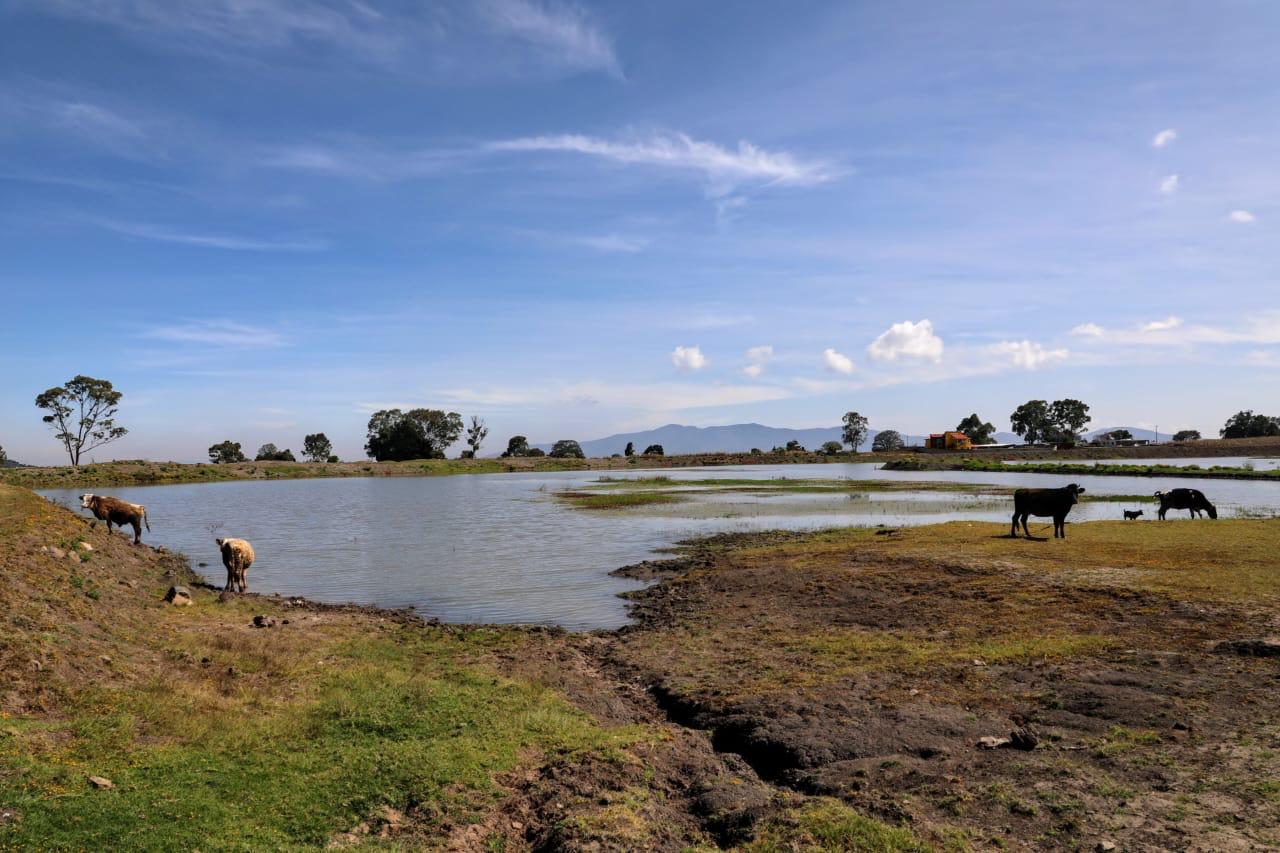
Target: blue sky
(262,219)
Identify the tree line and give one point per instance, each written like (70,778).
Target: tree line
(82,417)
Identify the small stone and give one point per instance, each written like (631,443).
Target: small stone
(106,659)
(979,662)
(36,665)
(56,553)
(85,546)
(517,825)
(178,596)
(1104,846)
(992,742)
(102,783)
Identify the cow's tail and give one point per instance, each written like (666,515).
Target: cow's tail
(146,519)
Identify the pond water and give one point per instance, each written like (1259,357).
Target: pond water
(501,548)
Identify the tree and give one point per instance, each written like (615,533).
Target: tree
(1068,419)
(1248,425)
(3,458)
(832,448)
(854,432)
(654,450)
(517,445)
(794,446)
(534,451)
(630,449)
(978,432)
(317,447)
(1119,435)
(567,448)
(82,414)
(887,440)
(1187,435)
(226,453)
(270,453)
(1031,421)
(476,434)
(415,434)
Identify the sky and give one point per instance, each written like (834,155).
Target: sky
(265,219)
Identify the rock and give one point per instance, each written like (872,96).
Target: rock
(102,783)
(36,665)
(106,659)
(178,596)
(1104,846)
(992,742)
(979,662)
(1023,738)
(54,551)
(1261,647)
(85,546)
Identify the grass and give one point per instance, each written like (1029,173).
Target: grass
(1078,469)
(827,824)
(616,500)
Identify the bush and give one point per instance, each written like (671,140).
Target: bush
(567,448)
(654,450)
(270,453)
(226,452)
(1187,435)
(832,448)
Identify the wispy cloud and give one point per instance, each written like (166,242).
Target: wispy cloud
(1243,217)
(1164,137)
(688,359)
(1088,330)
(1170,184)
(837,361)
(564,33)
(747,162)
(144,231)
(219,333)
(1164,325)
(1029,355)
(613,243)
(907,340)
(757,358)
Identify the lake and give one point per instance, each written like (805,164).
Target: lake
(500,548)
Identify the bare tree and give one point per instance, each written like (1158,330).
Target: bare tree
(476,434)
(82,414)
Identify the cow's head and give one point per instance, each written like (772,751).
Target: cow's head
(86,501)
(1075,491)
(1211,509)
(220,541)
(1158,494)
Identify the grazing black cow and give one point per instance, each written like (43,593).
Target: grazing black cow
(1042,502)
(1131,514)
(1188,499)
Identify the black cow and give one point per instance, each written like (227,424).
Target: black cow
(1042,502)
(1188,499)
(1131,514)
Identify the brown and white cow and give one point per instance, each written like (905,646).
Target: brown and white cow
(115,511)
(237,556)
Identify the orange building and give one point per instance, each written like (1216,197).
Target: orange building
(949,441)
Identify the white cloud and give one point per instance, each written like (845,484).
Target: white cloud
(1164,325)
(688,359)
(838,361)
(563,32)
(907,340)
(613,243)
(222,333)
(1170,185)
(1242,216)
(679,151)
(757,357)
(208,241)
(1028,355)
(1164,137)
(1088,330)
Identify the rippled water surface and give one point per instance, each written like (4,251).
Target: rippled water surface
(501,548)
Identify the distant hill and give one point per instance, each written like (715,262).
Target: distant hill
(1137,432)
(736,438)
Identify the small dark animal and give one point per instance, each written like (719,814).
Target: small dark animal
(116,511)
(1188,499)
(1130,514)
(1045,502)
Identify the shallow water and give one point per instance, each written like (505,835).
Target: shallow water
(1258,463)
(501,548)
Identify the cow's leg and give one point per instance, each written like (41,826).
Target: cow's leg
(244,578)
(1013,531)
(108,524)
(137,533)
(231,579)
(1025,531)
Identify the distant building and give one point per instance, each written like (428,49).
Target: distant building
(949,441)
(1111,441)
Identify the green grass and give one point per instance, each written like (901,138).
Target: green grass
(401,721)
(617,500)
(827,824)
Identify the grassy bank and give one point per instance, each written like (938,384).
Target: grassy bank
(1218,472)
